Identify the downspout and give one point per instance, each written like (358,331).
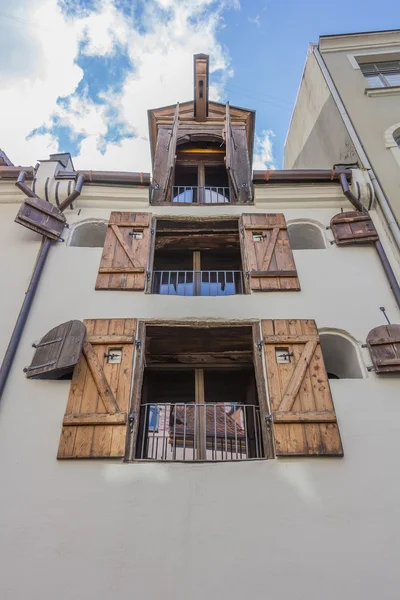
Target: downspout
(33,284)
(383,203)
(391,277)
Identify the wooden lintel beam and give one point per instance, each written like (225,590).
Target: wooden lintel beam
(110,339)
(289,339)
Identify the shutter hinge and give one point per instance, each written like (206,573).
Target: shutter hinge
(248,275)
(31,368)
(148,275)
(152,231)
(242,230)
(268,421)
(138,344)
(40,344)
(131,421)
(260,345)
(371,368)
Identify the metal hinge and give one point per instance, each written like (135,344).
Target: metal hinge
(148,275)
(40,344)
(138,344)
(131,421)
(260,345)
(268,421)
(152,231)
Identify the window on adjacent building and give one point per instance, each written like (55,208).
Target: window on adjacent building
(305,236)
(89,234)
(382,74)
(397,137)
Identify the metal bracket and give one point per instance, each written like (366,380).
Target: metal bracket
(371,368)
(285,354)
(39,344)
(131,421)
(152,231)
(138,344)
(110,355)
(48,364)
(260,345)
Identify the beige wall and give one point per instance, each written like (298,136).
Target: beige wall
(317,137)
(297,528)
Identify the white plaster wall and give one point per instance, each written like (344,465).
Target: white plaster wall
(297,528)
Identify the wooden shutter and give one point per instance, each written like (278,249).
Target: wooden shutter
(42,217)
(267,255)
(124,260)
(57,352)
(353,228)
(165,158)
(384,345)
(303,414)
(95,421)
(237,159)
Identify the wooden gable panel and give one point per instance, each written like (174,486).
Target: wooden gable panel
(353,228)
(267,253)
(302,408)
(124,260)
(57,352)
(384,345)
(95,421)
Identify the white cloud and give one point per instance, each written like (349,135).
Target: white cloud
(256,20)
(263,155)
(160,49)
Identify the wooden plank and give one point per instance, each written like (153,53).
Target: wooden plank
(297,377)
(388,362)
(289,339)
(101,382)
(385,340)
(125,247)
(356,234)
(136,225)
(316,416)
(114,270)
(264,227)
(101,441)
(110,339)
(273,273)
(95,419)
(269,251)
(136,396)
(210,358)
(262,393)
(107,257)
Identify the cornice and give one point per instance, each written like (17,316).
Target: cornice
(360,41)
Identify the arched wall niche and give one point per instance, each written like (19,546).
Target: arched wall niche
(305,234)
(341,355)
(90,233)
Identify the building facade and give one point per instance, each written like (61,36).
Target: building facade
(210,399)
(347,108)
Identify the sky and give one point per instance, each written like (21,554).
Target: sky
(78,76)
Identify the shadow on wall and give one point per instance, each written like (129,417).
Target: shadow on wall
(306,236)
(341,356)
(89,234)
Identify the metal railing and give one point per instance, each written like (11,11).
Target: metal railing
(195,194)
(206,432)
(197,283)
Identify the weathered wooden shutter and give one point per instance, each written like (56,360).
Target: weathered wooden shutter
(124,260)
(95,421)
(165,158)
(384,345)
(268,257)
(237,159)
(42,217)
(57,352)
(303,414)
(353,228)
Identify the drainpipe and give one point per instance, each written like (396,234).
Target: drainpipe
(387,211)
(391,277)
(34,282)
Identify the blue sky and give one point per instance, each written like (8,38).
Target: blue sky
(81,74)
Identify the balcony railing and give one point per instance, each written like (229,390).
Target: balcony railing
(197,283)
(207,432)
(201,194)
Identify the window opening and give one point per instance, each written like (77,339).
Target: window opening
(200,174)
(382,74)
(197,259)
(340,357)
(305,236)
(199,398)
(91,234)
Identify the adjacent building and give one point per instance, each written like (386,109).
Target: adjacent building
(200,396)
